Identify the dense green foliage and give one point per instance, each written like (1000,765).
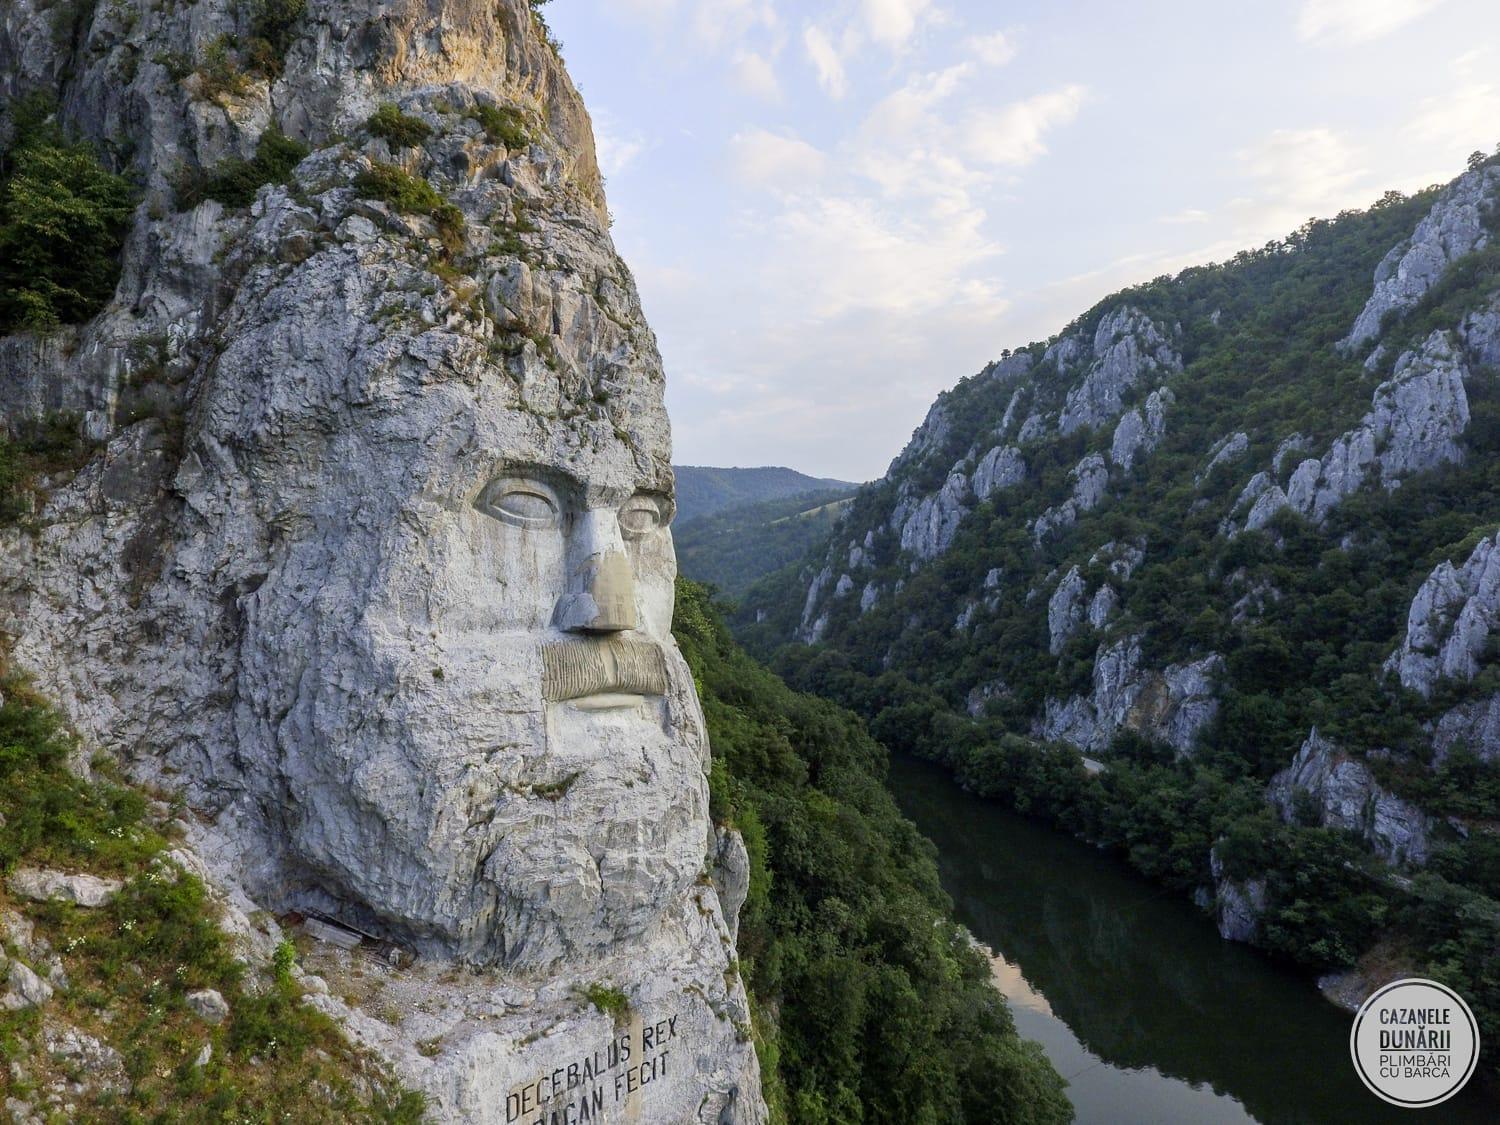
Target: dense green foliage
(62,222)
(272,29)
(413,196)
(235,181)
(401,129)
(131,963)
(733,548)
(1257,336)
(705,491)
(871,1004)
(502,124)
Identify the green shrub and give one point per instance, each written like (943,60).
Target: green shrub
(413,196)
(219,71)
(235,181)
(502,124)
(401,129)
(272,30)
(63,218)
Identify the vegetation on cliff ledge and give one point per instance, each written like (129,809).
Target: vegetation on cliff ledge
(117,1039)
(871,1003)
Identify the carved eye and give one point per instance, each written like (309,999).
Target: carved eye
(641,515)
(520,504)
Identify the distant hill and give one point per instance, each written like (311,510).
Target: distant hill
(732,549)
(704,491)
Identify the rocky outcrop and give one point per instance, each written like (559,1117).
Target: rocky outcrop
(1065,610)
(405,481)
(1224,451)
(1456,225)
(1341,792)
(1000,468)
(928,525)
(1414,424)
(41,885)
(1474,726)
(1451,618)
(1238,904)
(1171,706)
(1127,347)
(1140,431)
(1090,479)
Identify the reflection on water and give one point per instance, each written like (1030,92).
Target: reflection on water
(1139,1004)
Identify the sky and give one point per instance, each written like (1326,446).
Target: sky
(835,209)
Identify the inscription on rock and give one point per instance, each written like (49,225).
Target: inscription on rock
(610,1084)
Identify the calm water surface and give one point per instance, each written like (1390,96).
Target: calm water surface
(1139,1004)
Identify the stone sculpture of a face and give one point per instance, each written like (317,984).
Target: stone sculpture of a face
(458,648)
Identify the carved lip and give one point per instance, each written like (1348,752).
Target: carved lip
(613,671)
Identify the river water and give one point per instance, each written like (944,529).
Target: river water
(1150,1016)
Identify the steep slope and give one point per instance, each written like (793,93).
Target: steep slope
(703,491)
(358,544)
(738,546)
(883,1009)
(1208,578)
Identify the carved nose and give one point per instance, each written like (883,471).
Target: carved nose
(601,590)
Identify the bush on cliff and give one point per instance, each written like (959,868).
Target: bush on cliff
(871,1004)
(62,222)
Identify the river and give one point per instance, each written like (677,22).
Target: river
(1150,1016)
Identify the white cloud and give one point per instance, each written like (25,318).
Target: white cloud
(1461,121)
(755,74)
(616,149)
(893,22)
(767,159)
(995,49)
(1306,167)
(1189,217)
(1358,21)
(826,61)
(725,22)
(1016,134)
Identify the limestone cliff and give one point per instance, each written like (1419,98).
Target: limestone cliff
(372,560)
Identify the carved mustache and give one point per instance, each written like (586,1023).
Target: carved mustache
(577,669)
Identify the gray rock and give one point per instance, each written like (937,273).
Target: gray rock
(1171,706)
(1239,906)
(1414,424)
(1344,794)
(1225,450)
(1102,606)
(1127,347)
(398,488)
(1121,558)
(1475,726)
(868,597)
(1290,446)
(977,701)
(24,989)
(1065,610)
(1031,429)
(928,525)
(731,875)
(1140,431)
(1090,482)
(1450,620)
(41,885)
(1000,468)
(101,1066)
(208,1005)
(1480,333)
(1454,227)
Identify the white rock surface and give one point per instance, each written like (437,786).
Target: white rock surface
(341,598)
(1172,705)
(24,989)
(41,885)
(1140,431)
(1474,725)
(1238,906)
(1126,348)
(1000,468)
(1066,609)
(928,525)
(1224,451)
(208,1005)
(1450,620)
(1344,794)
(1454,227)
